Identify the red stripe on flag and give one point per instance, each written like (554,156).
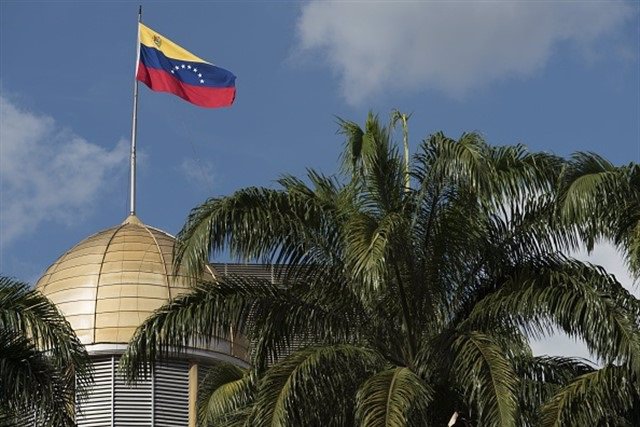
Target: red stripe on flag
(161,81)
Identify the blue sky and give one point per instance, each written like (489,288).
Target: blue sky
(557,77)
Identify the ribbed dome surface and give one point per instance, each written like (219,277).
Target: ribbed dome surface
(109,283)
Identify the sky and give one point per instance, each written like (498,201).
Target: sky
(557,77)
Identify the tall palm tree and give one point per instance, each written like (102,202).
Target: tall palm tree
(42,363)
(399,306)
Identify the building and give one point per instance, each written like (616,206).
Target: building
(106,286)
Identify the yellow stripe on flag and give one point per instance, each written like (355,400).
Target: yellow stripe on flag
(153,39)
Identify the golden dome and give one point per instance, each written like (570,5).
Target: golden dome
(109,283)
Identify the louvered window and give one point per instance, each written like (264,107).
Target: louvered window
(171,394)
(95,409)
(162,399)
(133,404)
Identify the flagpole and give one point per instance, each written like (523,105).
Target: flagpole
(134,124)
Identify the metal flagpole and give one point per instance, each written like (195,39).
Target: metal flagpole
(134,124)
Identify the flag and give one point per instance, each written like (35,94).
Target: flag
(166,67)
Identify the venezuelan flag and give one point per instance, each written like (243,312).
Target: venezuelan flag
(166,67)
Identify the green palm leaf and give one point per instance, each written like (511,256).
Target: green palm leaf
(43,365)
(387,398)
(299,389)
(603,201)
(487,378)
(31,384)
(592,398)
(576,298)
(541,378)
(274,317)
(224,395)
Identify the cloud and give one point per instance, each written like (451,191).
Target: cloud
(48,173)
(607,256)
(198,172)
(450,46)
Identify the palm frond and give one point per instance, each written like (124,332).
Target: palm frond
(387,398)
(194,319)
(592,398)
(462,160)
(293,227)
(31,314)
(354,146)
(32,386)
(540,378)
(368,248)
(575,297)
(271,315)
(224,395)
(487,379)
(603,201)
(43,365)
(586,174)
(297,390)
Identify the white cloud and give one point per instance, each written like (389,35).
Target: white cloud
(48,173)
(198,172)
(450,46)
(606,255)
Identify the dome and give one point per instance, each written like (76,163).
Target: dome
(106,286)
(109,283)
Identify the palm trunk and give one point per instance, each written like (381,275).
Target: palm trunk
(406,313)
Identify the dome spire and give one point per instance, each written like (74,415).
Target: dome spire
(132,218)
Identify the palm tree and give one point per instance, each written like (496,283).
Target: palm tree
(604,201)
(400,306)
(42,363)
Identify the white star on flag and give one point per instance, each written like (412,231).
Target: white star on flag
(200,75)
(182,65)
(189,66)
(201,81)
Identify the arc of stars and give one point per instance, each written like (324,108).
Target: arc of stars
(188,67)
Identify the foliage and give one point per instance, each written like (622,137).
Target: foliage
(604,202)
(401,299)
(42,362)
